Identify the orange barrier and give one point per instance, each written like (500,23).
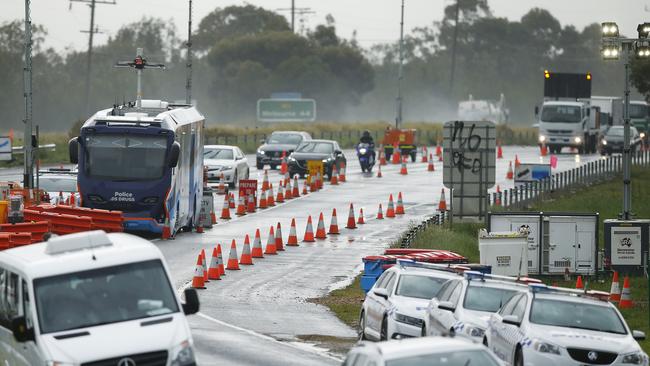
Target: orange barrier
(109,221)
(35,229)
(61,224)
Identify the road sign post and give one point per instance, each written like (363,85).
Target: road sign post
(286,110)
(469,158)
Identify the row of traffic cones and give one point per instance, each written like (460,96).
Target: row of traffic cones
(624,298)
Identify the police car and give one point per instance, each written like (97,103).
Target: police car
(394,306)
(464,305)
(92,299)
(558,326)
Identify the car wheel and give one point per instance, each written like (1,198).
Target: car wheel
(260,166)
(485,342)
(235,178)
(248,174)
(362,327)
(519,357)
(383,335)
(423,333)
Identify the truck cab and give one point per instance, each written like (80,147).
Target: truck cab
(567,124)
(640,117)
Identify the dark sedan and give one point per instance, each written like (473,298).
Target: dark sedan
(280,141)
(327,151)
(612,140)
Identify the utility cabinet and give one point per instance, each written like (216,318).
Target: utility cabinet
(626,245)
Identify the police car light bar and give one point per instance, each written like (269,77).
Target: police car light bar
(439,267)
(78,241)
(594,294)
(475,275)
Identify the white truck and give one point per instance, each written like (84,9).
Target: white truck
(611,109)
(484,110)
(567,118)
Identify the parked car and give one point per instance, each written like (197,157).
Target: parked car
(394,306)
(556,326)
(92,298)
(327,151)
(430,351)
(612,140)
(464,305)
(59,184)
(280,141)
(227,160)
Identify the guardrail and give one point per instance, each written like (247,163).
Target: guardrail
(589,173)
(408,237)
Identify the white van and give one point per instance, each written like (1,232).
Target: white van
(92,299)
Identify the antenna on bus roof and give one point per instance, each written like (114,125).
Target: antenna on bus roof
(139,64)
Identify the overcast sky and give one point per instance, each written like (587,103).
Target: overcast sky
(374,20)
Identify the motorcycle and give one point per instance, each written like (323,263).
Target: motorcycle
(366,154)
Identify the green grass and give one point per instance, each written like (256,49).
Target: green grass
(58,156)
(345,302)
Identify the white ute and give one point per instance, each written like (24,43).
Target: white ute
(92,299)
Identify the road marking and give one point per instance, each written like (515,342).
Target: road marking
(269,338)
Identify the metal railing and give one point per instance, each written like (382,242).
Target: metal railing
(587,174)
(408,237)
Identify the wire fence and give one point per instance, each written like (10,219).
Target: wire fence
(408,237)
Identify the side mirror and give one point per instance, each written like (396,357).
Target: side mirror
(638,335)
(447,305)
(262,141)
(191,305)
(19,328)
(511,319)
(174,154)
(381,292)
(338,152)
(536,110)
(73,150)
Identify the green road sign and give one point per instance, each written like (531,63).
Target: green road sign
(286,110)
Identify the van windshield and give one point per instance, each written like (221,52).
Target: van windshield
(103,296)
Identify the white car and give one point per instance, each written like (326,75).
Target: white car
(429,351)
(92,298)
(59,184)
(227,160)
(394,306)
(464,305)
(554,326)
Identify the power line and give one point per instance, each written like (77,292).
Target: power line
(301,12)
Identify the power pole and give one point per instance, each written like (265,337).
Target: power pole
(453,48)
(91,32)
(627,156)
(188,84)
(296,11)
(293,16)
(28,174)
(400,71)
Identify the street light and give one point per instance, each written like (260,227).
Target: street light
(644,30)
(610,29)
(642,49)
(610,51)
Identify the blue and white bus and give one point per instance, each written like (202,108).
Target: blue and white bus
(146,162)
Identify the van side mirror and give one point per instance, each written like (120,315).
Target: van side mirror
(511,319)
(536,110)
(73,150)
(19,328)
(191,305)
(174,153)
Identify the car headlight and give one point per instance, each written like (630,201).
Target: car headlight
(642,135)
(57,363)
(577,140)
(604,142)
(542,138)
(291,158)
(545,347)
(416,322)
(474,331)
(635,358)
(183,355)
(362,151)
(260,151)
(227,168)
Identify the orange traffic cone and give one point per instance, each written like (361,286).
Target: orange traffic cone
(319,180)
(425,159)
(390,211)
(197,281)
(304,187)
(313,183)
(204,262)
(380,214)
(400,205)
(615,290)
(270,243)
(231,200)
(213,270)
(442,205)
(382,156)
(438,149)
(246,257)
(287,179)
(288,194)
(499,151)
(334,225)
(517,162)
(626,295)
(265,180)
(279,245)
(241,207)
(270,201)
(431,167)
(221,189)
(263,203)
(72,199)
(379,171)
(320,228)
(361,220)
(225,211)
(280,197)
(352,224)
(334,180)
(233,262)
(342,173)
(440,157)
(292,240)
(403,170)
(309,232)
(251,203)
(295,191)
(257,251)
(510,174)
(222,267)
(396,158)
(283,166)
(497,200)
(543,151)
(579,284)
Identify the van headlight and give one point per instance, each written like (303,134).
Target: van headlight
(545,347)
(542,138)
(183,355)
(635,358)
(577,140)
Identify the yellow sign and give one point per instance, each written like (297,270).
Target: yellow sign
(315,166)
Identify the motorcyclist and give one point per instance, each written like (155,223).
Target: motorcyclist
(366,138)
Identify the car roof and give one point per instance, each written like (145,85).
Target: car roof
(420,271)
(219,147)
(497,284)
(289,132)
(395,349)
(34,260)
(572,298)
(561,102)
(320,140)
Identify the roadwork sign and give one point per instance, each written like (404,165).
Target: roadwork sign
(286,110)
(525,173)
(5,148)
(248,186)
(469,158)
(315,166)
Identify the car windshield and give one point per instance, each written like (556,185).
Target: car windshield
(464,358)
(638,111)
(561,113)
(284,139)
(615,131)
(125,157)
(420,287)
(578,315)
(58,184)
(223,154)
(489,299)
(316,147)
(103,296)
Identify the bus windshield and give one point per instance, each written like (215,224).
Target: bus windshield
(125,157)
